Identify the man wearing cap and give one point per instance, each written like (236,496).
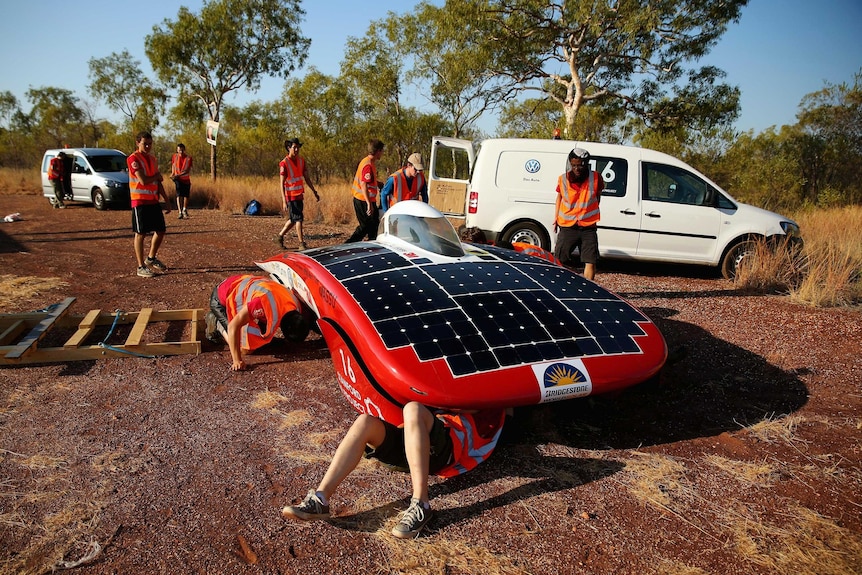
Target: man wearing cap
(578,193)
(293,179)
(56,174)
(408,183)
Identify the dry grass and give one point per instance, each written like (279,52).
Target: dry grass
(756,474)
(15,181)
(778,429)
(828,271)
(18,289)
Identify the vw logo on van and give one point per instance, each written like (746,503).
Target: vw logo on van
(532,166)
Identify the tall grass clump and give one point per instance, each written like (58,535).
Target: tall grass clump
(232,194)
(827,272)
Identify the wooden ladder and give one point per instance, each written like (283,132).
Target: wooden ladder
(20,334)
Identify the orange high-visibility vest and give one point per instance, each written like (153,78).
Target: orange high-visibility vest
(276,300)
(180,163)
(469,447)
(579,203)
(400,189)
(535,251)
(372,185)
(294,182)
(56,169)
(143,193)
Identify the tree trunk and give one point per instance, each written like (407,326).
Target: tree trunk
(213,158)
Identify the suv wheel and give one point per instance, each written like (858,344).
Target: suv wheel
(735,256)
(99,200)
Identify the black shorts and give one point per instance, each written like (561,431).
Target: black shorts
(586,239)
(183,188)
(295,209)
(391,451)
(148,218)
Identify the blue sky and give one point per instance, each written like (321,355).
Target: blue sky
(780,51)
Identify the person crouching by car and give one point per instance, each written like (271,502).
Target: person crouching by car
(246,311)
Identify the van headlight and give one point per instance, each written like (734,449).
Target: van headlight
(791,229)
(113,184)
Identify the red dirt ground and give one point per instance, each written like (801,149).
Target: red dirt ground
(744,458)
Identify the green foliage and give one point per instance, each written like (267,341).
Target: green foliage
(632,51)
(119,82)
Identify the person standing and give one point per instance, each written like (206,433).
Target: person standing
(181,166)
(578,193)
(408,183)
(365,188)
(145,186)
(444,443)
(56,175)
(294,177)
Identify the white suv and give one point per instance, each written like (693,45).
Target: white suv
(96,175)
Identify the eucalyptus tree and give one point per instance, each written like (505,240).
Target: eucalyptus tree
(118,81)
(230,44)
(637,52)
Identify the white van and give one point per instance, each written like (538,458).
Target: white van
(654,207)
(96,175)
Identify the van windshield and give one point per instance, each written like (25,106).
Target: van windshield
(109,163)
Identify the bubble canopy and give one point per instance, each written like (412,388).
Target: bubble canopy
(418,224)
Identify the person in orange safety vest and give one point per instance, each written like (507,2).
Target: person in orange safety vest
(246,310)
(408,183)
(181,167)
(444,443)
(579,191)
(365,188)
(56,175)
(294,177)
(145,187)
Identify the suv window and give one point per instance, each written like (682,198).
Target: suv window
(109,163)
(663,183)
(451,163)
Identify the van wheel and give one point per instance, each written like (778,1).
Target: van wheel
(99,200)
(734,258)
(528,233)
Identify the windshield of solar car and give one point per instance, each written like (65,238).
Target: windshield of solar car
(432,234)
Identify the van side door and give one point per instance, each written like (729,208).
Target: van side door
(678,225)
(619,214)
(81,179)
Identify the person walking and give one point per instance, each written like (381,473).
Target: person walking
(579,191)
(408,183)
(56,175)
(246,310)
(145,186)
(365,189)
(294,176)
(444,443)
(181,166)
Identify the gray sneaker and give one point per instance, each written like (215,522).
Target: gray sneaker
(413,520)
(145,272)
(310,508)
(156,264)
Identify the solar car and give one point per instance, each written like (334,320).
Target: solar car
(417,315)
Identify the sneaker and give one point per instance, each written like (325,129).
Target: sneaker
(279,240)
(310,508)
(303,246)
(413,520)
(212,333)
(62,206)
(156,264)
(185,214)
(145,272)
(180,216)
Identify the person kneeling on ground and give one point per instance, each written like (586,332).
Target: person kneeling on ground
(246,310)
(440,442)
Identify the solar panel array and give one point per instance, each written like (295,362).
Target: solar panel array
(507,309)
